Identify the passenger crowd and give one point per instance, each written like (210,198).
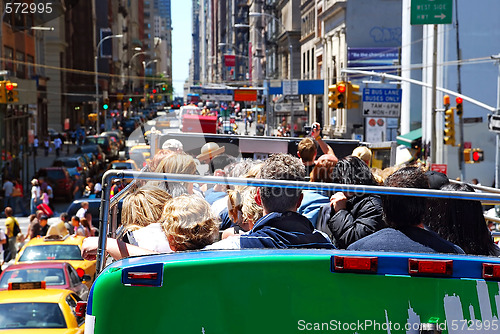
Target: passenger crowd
(162,217)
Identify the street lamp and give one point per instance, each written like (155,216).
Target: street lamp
(146,64)
(96,57)
(130,66)
(290,50)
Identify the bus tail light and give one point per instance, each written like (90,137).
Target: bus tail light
(359,264)
(491,271)
(81,308)
(430,267)
(146,275)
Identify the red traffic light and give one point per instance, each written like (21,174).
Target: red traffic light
(154,91)
(341,88)
(459,100)
(477,155)
(9,86)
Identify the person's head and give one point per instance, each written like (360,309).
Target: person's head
(35,183)
(323,171)
(351,170)
(143,206)
(251,211)
(177,163)
(364,153)
(158,157)
(220,162)
(281,166)
(85,223)
(85,205)
(463,222)
(8,211)
(39,214)
(405,211)
(64,217)
(209,151)
(436,179)
(307,150)
(475,181)
(172,145)
(188,223)
(75,221)
(43,220)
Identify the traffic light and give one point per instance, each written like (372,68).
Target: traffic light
(105,105)
(3,98)
(11,92)
(163,88)
(336,95)
(477,155)
(130,99)
(467,159)
(154,91)
(352,99)
(460,107)
(449,127)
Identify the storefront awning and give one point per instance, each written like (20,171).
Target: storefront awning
(410,139)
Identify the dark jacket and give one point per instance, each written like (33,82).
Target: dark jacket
(362,216)
(284,230)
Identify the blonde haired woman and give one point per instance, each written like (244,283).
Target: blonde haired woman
(141,213)
(176,163)
(187,223)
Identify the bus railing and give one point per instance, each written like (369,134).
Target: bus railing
(110,175)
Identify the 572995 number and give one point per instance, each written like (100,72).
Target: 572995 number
(28,8)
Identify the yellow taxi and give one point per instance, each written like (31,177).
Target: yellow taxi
(123,164)
(58,249)
(30,308)
(140,154)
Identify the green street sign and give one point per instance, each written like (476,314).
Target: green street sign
(431,11)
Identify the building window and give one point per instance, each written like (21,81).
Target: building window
(9,56)
(20,66)
(31,66)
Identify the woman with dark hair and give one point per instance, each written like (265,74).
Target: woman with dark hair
(350,217)
(463,223)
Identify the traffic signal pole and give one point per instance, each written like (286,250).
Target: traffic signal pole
(497,111)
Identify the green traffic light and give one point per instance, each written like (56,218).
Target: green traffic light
(129,99)
(105,107)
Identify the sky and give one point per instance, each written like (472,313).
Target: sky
(181,43)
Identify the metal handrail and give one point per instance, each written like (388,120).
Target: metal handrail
(357,189)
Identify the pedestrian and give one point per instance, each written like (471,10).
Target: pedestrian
(59,228)
(35,195)
(13,229)
(3,247)
(57,146)
(35,146)
(46,145)
(8,188)
(78,187)
(83,210)
(18,198)
(77,226)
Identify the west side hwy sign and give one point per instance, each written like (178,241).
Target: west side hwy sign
(381,102)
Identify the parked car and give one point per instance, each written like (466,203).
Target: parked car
(59,179)
(108,146)
(77,162)
(56,275)
(94,149)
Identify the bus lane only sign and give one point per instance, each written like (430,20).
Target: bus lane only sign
(381,102)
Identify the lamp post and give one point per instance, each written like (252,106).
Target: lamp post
(146,64)
(96,57)
(130,67)
(290,50)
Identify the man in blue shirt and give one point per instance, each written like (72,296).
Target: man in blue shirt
(281,226)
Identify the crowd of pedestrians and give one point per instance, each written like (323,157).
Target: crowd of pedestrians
(161,217)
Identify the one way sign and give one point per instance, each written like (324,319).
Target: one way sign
(494,123)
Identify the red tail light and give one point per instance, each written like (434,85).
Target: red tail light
(430,267)
(99,156)
(80,272)
(81,308)
(491,271)
(79,169)
(142,275)
(355,264)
